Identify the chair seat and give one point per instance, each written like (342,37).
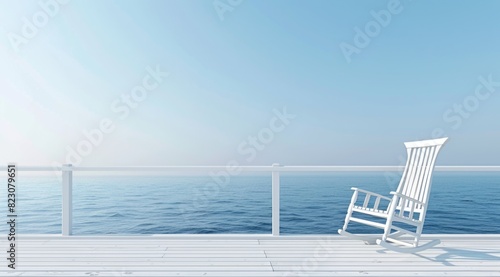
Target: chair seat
(407,220)
(385,214)
(371,211)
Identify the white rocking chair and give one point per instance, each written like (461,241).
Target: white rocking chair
(407,206)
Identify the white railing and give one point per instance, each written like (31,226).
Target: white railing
(67,180)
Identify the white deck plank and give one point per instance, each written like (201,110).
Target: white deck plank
(319,256)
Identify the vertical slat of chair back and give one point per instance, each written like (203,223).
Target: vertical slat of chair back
(417,175)
(402,187)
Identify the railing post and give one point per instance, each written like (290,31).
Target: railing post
(67,199)
(276,201)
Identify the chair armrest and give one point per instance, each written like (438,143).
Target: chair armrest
(407,197)
(372,193)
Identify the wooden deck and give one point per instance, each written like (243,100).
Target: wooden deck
(459,255)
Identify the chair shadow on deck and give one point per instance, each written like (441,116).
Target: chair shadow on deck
(458,254)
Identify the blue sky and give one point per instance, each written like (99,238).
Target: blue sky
(233,67)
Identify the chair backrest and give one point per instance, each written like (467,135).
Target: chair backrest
(417,175)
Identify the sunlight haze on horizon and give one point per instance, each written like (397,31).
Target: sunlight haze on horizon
(260,82)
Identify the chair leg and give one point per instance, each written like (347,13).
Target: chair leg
(387,229)
(347,219)
(388,223)
(349,210)
(419,233)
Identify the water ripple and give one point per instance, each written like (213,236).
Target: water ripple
(309,204)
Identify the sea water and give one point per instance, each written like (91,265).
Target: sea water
(461,202)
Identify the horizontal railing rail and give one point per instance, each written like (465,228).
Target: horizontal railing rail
(275,169)
(328,168)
